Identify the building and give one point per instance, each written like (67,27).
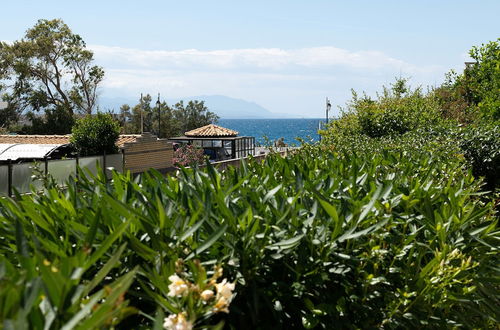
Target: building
(140,152)
(218,143)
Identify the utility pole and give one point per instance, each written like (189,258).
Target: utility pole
(142,117)
(158,104)
(328,107)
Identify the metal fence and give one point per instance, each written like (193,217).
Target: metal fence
(23,178)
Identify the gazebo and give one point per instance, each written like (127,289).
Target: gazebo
(218,143)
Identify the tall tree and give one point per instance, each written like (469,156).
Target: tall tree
(124,117)
(50,69)
(142,114)
(475,93)
(174,120)
(483,78)
(193,115)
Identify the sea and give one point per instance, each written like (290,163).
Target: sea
(273,129)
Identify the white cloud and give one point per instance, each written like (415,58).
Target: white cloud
(269,76)
(266,58)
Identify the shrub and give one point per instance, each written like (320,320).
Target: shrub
(483,79)
(188,155)
(397,110)
(481,148)
(323,237)
(94,135)
(474,93)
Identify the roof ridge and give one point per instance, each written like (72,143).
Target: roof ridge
(211,130)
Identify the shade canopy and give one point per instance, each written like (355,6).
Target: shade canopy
(58,139)
(32,151)
(211,130)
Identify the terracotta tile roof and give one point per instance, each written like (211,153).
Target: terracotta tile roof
(35,139)
(211,130)
(126,138)
(57,139)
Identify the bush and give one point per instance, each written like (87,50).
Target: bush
(481,148)
(188,155)
(397,110)
(323,237)
(54,121)
(483,79)
(94,135)
(474,94)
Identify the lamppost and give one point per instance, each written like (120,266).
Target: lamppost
(158,104)
(328,107)
(142,117)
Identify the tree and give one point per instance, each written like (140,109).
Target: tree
(169,125)
(174,120)
(195,114)
(54,121)
(50,69)
(475,93)
(8,116)
(95,134)
(125,114)
(483,78)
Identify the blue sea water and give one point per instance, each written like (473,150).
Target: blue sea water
(274,129)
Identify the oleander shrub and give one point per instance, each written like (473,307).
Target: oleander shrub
(481,148)
(395,111)
(322,237)
(188,155)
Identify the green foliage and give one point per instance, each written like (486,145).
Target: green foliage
(475,93)
(192,115)
(454,101)
(322,237)
(94,135)
(481,147)
(53,121)
(397,110)
(192,296)
(174,120)
(188,155)
(8,117)
(41,61)
(50,70)
(483,78)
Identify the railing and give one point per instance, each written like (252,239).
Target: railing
(224,164)
(22,176)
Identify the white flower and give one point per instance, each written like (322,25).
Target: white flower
(221,305)
(177,322)
(224,296)
(225,289)
(177,287)
(207,295)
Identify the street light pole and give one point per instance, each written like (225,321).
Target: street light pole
(142,117)
(328,107)
(158,104)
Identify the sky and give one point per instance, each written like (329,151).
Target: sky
(287,56)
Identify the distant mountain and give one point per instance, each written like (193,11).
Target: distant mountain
(224,106)
(231,108)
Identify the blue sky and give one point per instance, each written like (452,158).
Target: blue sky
(285,55)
